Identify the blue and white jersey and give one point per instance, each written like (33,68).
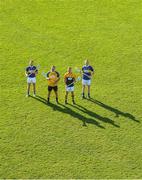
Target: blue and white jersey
(87,71)
(29,70)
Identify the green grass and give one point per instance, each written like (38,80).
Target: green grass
(40,141)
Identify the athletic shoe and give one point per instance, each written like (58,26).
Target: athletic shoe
(89,96)
(27,95)
(83,97)
(48,101)
(73,102)
(57,101)
(34,95)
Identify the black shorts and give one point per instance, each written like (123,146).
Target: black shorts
(55,88)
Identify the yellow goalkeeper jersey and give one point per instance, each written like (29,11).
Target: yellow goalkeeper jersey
(53,77)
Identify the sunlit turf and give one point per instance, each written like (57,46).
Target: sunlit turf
(96,138)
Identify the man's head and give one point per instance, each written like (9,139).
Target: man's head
(86,62)
(69,69)
(53,68)
(31,62)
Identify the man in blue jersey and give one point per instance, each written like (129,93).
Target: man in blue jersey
(87,72)
(31,72)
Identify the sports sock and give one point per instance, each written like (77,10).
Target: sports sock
(66,98)
(73,99)
(56,99)
(83,95)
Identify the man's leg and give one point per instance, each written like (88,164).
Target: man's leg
(56,93)
(34,89)
(72,94)
(66,97)
(89,91)
(49,92)
(83,91)
(28,89)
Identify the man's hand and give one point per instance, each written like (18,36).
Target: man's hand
(90,77)
(33,71)
(57,80)
(50,79)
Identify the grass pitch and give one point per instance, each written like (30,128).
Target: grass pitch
(101,138)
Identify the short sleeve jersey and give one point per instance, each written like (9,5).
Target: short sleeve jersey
(69,78)
(87,71)
(53,77)
(29,70)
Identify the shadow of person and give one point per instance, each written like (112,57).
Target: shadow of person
(114,110)
(94,115)
(66,110)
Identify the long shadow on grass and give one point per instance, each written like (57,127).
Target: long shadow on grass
(114,110)
(94,115)
(64,109)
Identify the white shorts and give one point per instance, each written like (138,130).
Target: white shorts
(31,80)
(86,82)
(69,89)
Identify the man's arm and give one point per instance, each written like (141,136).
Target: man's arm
(92,71)
(58,77)
(65,79)
(74,78)
(27,72)
(47,76)
(36,71)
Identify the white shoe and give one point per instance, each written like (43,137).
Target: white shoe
(34,95)
(27,95)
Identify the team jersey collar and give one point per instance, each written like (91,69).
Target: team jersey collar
(69,72)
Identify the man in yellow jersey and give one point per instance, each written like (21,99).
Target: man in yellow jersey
(53,77)
(69,79)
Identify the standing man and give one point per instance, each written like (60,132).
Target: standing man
(53,77)
(31,72)
(87,72)
(69,79)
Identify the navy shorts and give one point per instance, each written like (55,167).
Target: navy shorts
(55,88)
